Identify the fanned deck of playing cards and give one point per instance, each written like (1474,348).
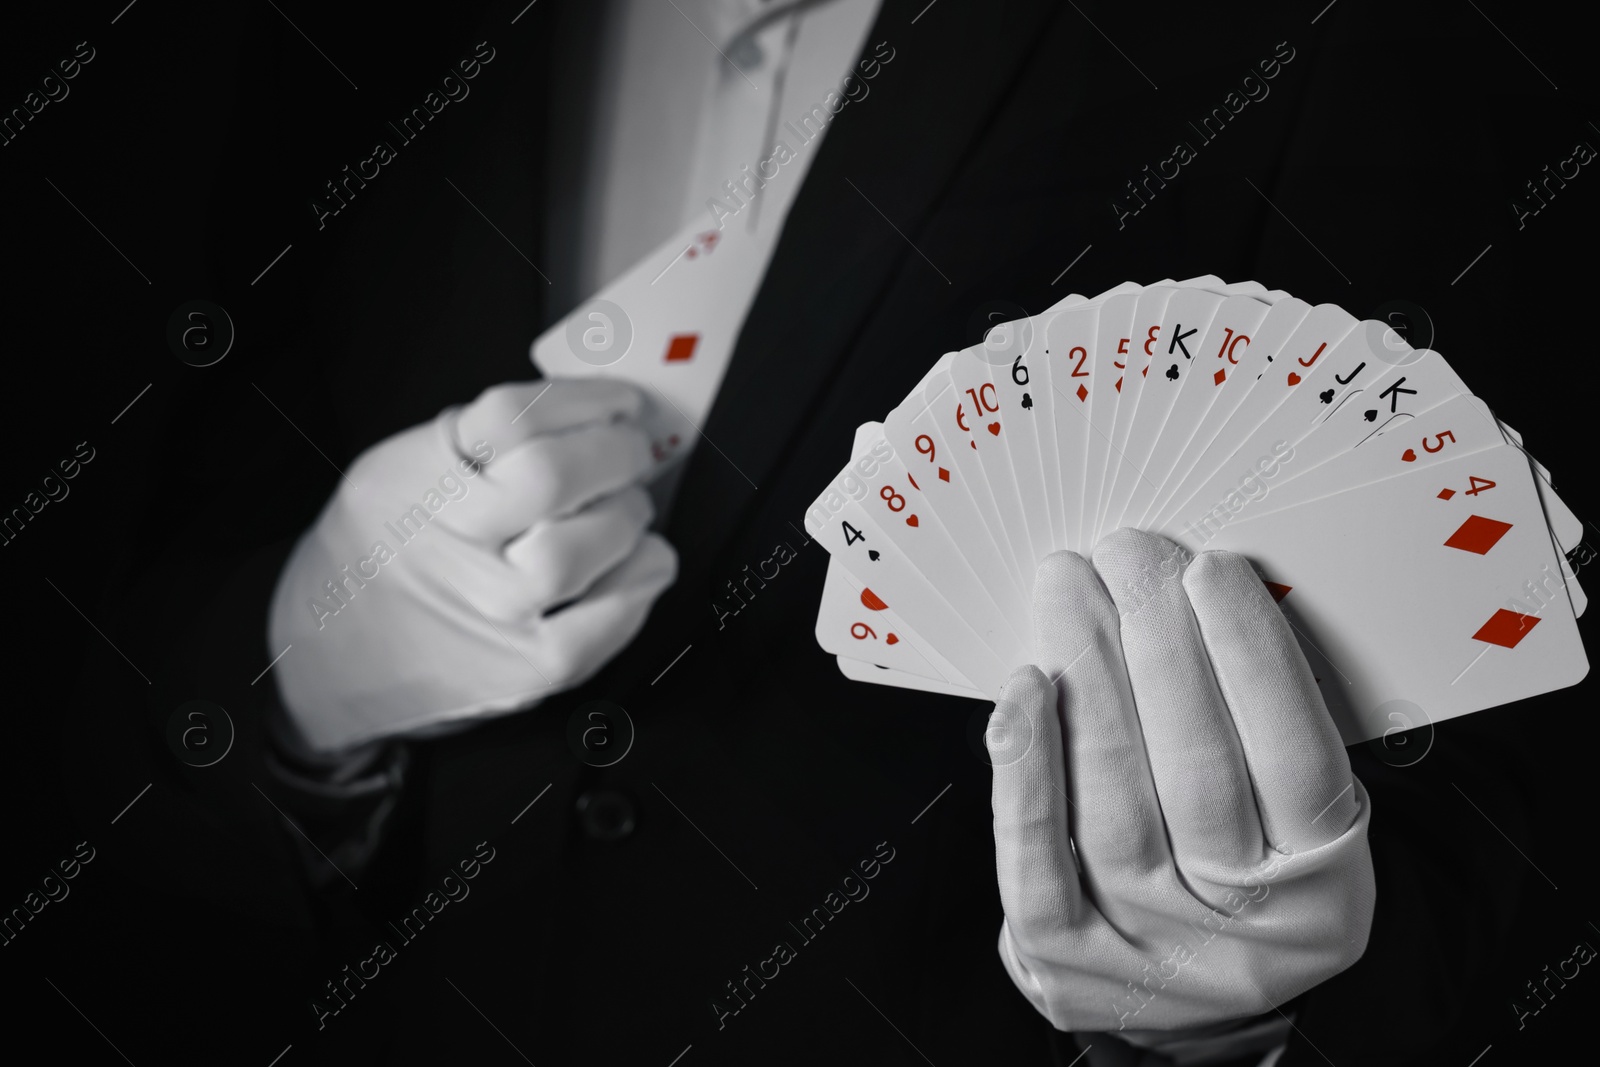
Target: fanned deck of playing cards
(1419,553)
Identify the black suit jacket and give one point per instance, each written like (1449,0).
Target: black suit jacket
(999,158)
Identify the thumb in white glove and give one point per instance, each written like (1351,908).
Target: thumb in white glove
(1179,839)
(420,594)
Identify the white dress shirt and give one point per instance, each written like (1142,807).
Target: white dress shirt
(688,93)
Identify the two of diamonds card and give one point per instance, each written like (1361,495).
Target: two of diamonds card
(1419,553)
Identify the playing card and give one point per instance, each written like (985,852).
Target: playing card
(1393,398)
(896,502)
(854,622)
(1516,438)
(1014,357)
(840,525)
(1117,351)
(952,483)
(1436,590)
(1146,346)
(879,526)
(669,324)
(1232,380)
(1461,425)
(1108,408)
(1566,529)
(1022,373)
(1069,338)
(1108,369)
(1278,410)
(976,412)
(1415,548)
(1062,339)
(1236,321)
(1183,328)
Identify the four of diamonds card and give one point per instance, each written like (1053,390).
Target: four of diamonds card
(1417,550)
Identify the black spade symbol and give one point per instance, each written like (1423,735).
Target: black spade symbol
(872,554)
(1370,414)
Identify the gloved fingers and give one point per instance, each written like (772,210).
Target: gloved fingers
(547,477)
(559,558)
(1033,859)
(1115,816)
(553,562)
(504,416)
(1303,782)
(1195,757)
(577,640)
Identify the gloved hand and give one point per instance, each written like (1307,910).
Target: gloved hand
(1178,835)
(419,595)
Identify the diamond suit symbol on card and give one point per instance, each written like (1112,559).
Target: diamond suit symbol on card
(681,348)
(944,475)
(1506,628)
(1478,534)
(1278,591)
(707,242)
(1220,377)
(1446,494)
(1083,394)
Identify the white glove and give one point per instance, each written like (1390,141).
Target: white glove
(418,596)
(1195,850)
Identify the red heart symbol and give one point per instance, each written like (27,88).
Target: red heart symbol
(994,428)
(891,640)
(871,601)
(1409,455)
(1294,379)
(911,520)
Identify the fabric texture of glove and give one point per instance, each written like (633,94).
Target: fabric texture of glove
(1179,838)
(423,593)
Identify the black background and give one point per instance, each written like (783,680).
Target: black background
(195,139)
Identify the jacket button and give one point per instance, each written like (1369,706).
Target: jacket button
(606,814)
